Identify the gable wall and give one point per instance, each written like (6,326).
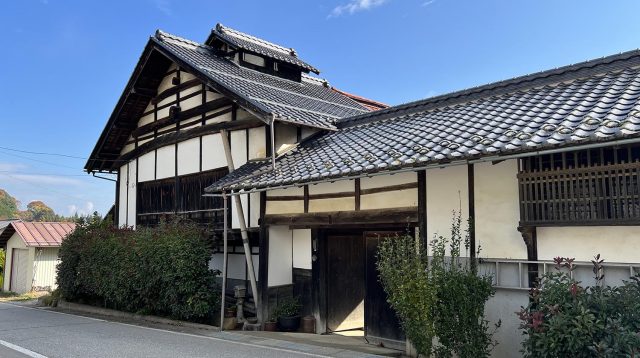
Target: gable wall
(189,156)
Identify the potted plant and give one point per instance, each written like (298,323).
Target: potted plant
(288,314)
(271,325)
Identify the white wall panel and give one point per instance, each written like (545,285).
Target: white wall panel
(212,153)
(239,147)
(189,156)
(302,249)
(166,166)
(388,180)
(147,167)
(390,199)
(446,192)
(285,134)
(280,256)
(613,243)
(285,207)
(497,210)
(257,143)
(254,215)
(131,215)
(122,207)
(335,187)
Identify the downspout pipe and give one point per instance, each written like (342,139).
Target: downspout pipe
(243,228)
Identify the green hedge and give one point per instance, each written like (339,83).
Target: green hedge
(161,271)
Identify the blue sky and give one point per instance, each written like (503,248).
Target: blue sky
(65,63)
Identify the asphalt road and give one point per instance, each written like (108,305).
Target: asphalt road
(37,333)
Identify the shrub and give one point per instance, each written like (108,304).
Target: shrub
(441,299)
(566,319)
(161,270)
(288,307)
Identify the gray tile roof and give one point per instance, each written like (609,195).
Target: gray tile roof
(584,103)
(305,103)
(247,42)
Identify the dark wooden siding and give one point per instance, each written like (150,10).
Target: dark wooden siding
(161,199)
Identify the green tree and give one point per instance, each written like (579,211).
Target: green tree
(8,206)
(39,211)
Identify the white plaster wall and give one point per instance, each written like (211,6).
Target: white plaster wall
(131,215)
(45,264)
(122,209)
(127,148)
(189,156)
(146,167)
(446,192)
(390,199)
(257,143)
(285,207)
(387,180)
(166,167)
(285,134)
(302,249)
(497,210)
(254,215)
(306,132)
(146,119)
(212,153)
(337,204)
(280,256)
(294,191)
(613,243)
(334,187)
(239,147)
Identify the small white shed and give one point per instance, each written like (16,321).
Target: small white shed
(32,254)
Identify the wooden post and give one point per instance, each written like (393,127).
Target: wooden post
(224,260)
(243,228)
(529,236)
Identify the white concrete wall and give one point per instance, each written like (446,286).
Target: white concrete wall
(236,266)
(212,153)
(147,167)
(502,307)
(45,263)
(189,156)
(166,167)
(497,210)
(302,249)
(280,256)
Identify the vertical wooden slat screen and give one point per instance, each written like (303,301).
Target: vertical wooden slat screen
(598,187)
(156,200)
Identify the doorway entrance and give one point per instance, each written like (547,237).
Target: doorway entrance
(349,289)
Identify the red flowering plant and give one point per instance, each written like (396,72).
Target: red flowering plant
(566,319)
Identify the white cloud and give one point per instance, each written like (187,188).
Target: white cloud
(164,6)
(427,3)
(11,167)
(87,209)
(354,6)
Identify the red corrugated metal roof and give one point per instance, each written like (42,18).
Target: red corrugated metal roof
(40,234)
(369,103)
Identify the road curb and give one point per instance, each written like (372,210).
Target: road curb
(77,307)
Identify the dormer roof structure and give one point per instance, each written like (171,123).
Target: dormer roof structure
(241,40)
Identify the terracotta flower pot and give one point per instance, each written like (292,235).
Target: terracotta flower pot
(271,326)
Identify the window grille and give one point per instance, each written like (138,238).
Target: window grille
(589,187)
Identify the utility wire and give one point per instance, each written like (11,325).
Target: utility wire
(38,160)
(43,174)
(42,153)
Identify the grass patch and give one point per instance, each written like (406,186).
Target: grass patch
(12,296)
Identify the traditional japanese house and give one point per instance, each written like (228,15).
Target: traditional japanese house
(191,112)
(546,164)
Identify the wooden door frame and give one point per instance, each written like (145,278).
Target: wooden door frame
(319,267)
(13,257)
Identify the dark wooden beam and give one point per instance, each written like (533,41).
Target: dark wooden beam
(358,193)
(175,90)
(177,115)
(175,137)
(404,215)
(263,258)
(306,198)
(422,207)
(472,210)
(529,236)
(389,188)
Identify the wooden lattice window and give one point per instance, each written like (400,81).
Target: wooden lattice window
(590,187)
(181,196)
